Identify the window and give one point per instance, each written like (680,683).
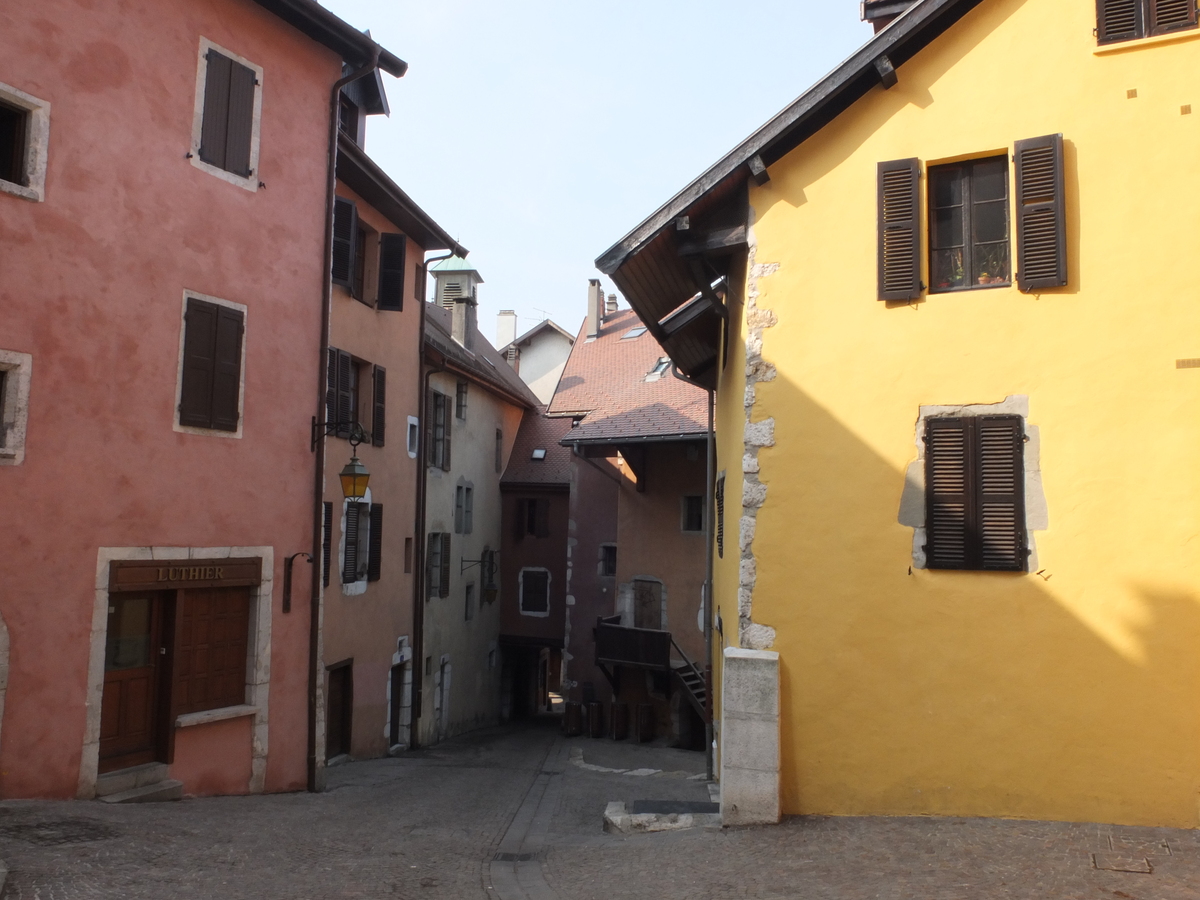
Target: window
(1124,20)
(378,405)
(634,333)
(608,559)
(968,225)
(534,591)
(392,252)
(499,449)
(414,435)
(464,503)
(226,121)
(355,535)
(210,653)
(532,517)
(345,242)
(210,381)
(375,544)
(326,542)
(693,513)
(348,116)
(24,136)
(469,606)
(347,383)
(437,572)
(437,431)
(460,400)
(408,555)
(975,493)
(358,282)
(459,504)
(15,369)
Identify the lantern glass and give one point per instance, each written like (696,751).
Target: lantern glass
(354,479)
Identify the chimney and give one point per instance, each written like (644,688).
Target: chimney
(506,327)
(611,306)
(595,302)
(880,13)
(462,327)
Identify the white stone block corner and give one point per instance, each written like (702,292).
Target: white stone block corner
(750,738)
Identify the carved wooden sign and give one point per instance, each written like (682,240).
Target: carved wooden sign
(171,574)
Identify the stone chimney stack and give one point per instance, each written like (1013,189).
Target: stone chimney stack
(463,322)
(506,327)
(611,306)
(595,304)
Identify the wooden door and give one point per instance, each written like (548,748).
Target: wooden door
(133,660)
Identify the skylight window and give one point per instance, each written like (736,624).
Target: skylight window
(539,453)
(634,333)
(661,366)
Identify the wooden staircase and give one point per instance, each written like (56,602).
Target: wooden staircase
(691,681)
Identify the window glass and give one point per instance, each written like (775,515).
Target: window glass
(693,513)
(968,225)
(535,591)
(608,559)
(12,143)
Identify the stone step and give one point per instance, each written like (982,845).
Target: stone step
(128,779)
(148,793)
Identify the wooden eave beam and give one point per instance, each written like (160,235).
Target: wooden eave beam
(721,242)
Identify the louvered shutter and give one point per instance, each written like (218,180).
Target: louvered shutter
(326,542)
(520,520)
(444,578)
(227,374)
(345,233)
(1041,214)
(433,563)
(948,499)
(899,229)
(1171,15)
(459,506)
(350,545)
(199,364)
(1001,492)
(720,504)
(447,415)
(391,271)
(375,543)
(543,518)
(379,407)
(1119,20)
(331,386)
(345,398)
(468,510)
(214,130)
(422,277)
(240,129)
(430,416)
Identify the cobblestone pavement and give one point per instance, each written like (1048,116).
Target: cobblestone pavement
(429,825)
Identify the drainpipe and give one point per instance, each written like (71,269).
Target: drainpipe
(316,779)
(419,536)
(710,466)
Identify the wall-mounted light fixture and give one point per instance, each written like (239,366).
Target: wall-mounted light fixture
(354,475)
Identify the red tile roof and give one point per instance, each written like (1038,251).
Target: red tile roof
(538,432)
(605,381)
(486,365)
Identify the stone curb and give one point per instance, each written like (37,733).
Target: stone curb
(618,820)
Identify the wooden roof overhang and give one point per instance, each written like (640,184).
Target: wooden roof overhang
(670,266)
(362,175)
(354,46)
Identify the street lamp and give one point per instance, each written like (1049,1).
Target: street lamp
(354,479)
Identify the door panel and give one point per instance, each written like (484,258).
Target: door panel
(128,708)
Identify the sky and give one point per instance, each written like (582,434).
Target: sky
(540,133)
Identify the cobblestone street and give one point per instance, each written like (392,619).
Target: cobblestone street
(431,825)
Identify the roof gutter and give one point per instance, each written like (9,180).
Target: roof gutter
(354,46)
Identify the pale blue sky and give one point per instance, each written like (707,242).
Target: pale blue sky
(539,133)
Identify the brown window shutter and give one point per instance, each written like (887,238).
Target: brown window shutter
(1041,214)
(326,543)
(543,517)
(1119,20)
(459,506)
(422,277)
(375,543)
(241,119)
(430,416)
(719,499)
(350,542)
(346,413)
(468,510)
(227,376)
(345,233)
(214,130)
(899,229)
(1001,493)
(331,386)
(199,364)
(447,416)
(391,272)
(432,572)
(1171,15)
(949,507)
(210,649)
(379,407)
(444,582)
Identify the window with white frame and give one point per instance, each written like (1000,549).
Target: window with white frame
(24,139)
(533,588)
(227,116)
(15,369)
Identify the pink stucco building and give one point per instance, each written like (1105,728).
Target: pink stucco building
(164,206)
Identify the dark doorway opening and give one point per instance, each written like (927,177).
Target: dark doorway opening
(339,705)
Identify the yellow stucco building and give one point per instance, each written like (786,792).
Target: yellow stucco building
(946,300)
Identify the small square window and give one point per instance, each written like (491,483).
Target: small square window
(460,401)
(693,513)
(539,453)
(608,559)
(414,436)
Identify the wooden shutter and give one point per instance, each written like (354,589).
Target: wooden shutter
(899,229)
(210,649)
(459,505)
(468,509)
(1171,15)
(350,545)
(1001,492)
(214,130)
(326,542)
(199,364)
(1041,214)
(433,563)
(720,504)
(227,374)
(241,120)
(422,278)
(520,520)
(430,416)
(1119,20)
(379,406)
(948,497)
(331,386)
(375,543)
(543,518)
(391,272)
(346,413)
(345,233)
(447,416)
(444,577)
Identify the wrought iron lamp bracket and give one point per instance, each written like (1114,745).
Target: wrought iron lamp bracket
(358,434)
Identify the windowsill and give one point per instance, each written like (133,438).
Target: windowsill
(1175,37)
(968,288)
(536,615)
(19,190)
(215,715)
(5,453)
